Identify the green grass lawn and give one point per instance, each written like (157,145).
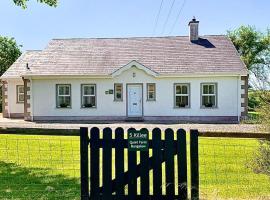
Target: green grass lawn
(47,167)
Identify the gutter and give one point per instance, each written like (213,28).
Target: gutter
(35,76)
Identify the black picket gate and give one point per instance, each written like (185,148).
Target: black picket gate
(124,185)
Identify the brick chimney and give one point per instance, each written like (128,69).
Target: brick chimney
(193,30)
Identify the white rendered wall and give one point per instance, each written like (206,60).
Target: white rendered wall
(44,96)
(13,106)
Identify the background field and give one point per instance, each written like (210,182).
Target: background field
(47,167)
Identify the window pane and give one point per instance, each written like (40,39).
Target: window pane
(181,89)
(89,101)
(205,89)
(118,88)
(211,89)
(118,95)
(212,100)
(208,101)
(67,92)
(178,89)
(61,90)
(181,101)
(89,90)
(21,89)
(204,100)
(151,87)
(185,100)
(64,90)
(21,97)
(184,89)
(151,95)
(64,101)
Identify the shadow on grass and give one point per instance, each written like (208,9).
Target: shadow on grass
(18,182)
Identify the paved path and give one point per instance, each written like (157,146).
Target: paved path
(19,123)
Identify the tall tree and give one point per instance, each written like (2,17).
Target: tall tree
(23,3)
(9,52)
(253,47)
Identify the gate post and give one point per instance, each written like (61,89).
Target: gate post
(84,141)
(194,164)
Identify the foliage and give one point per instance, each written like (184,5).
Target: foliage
(261,160)
(264,110)
(23,3)
(253,47)
(254,100)
(9,52)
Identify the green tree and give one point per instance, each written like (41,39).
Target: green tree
(9,52)
(23,3)
(253,47)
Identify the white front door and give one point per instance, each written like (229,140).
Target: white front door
(134,102)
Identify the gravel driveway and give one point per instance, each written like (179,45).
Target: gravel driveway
(19,123)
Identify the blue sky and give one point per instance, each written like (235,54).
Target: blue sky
(36,25)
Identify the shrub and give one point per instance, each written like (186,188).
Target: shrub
(261,159)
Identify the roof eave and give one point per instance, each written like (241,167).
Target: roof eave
(109,76)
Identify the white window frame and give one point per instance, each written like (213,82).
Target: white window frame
(148,91)
(115,92)
(215,94)
(183,95)
(19,93)
(62,95)
(88,95)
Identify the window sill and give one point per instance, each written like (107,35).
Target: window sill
(175,107)
(19,102)
(209,108)
(150,100)
(63,108)
(88,107)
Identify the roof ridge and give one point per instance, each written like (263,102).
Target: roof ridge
(135,37)
(28,50)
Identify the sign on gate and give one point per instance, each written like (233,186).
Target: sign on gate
(138,140)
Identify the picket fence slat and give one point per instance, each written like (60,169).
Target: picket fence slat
(182,163)
(144,173)
(119,163)
(157,162)
(169,161)
(132,178)
(84,163)
(94,166)
(194,164)
(107,164)
(163,152)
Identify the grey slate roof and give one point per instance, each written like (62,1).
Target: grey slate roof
(164,55)
(19,66)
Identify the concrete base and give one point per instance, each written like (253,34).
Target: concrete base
(153,119)
(16,115)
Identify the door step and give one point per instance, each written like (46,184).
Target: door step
(134,119)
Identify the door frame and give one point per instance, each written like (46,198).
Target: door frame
(128,84)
